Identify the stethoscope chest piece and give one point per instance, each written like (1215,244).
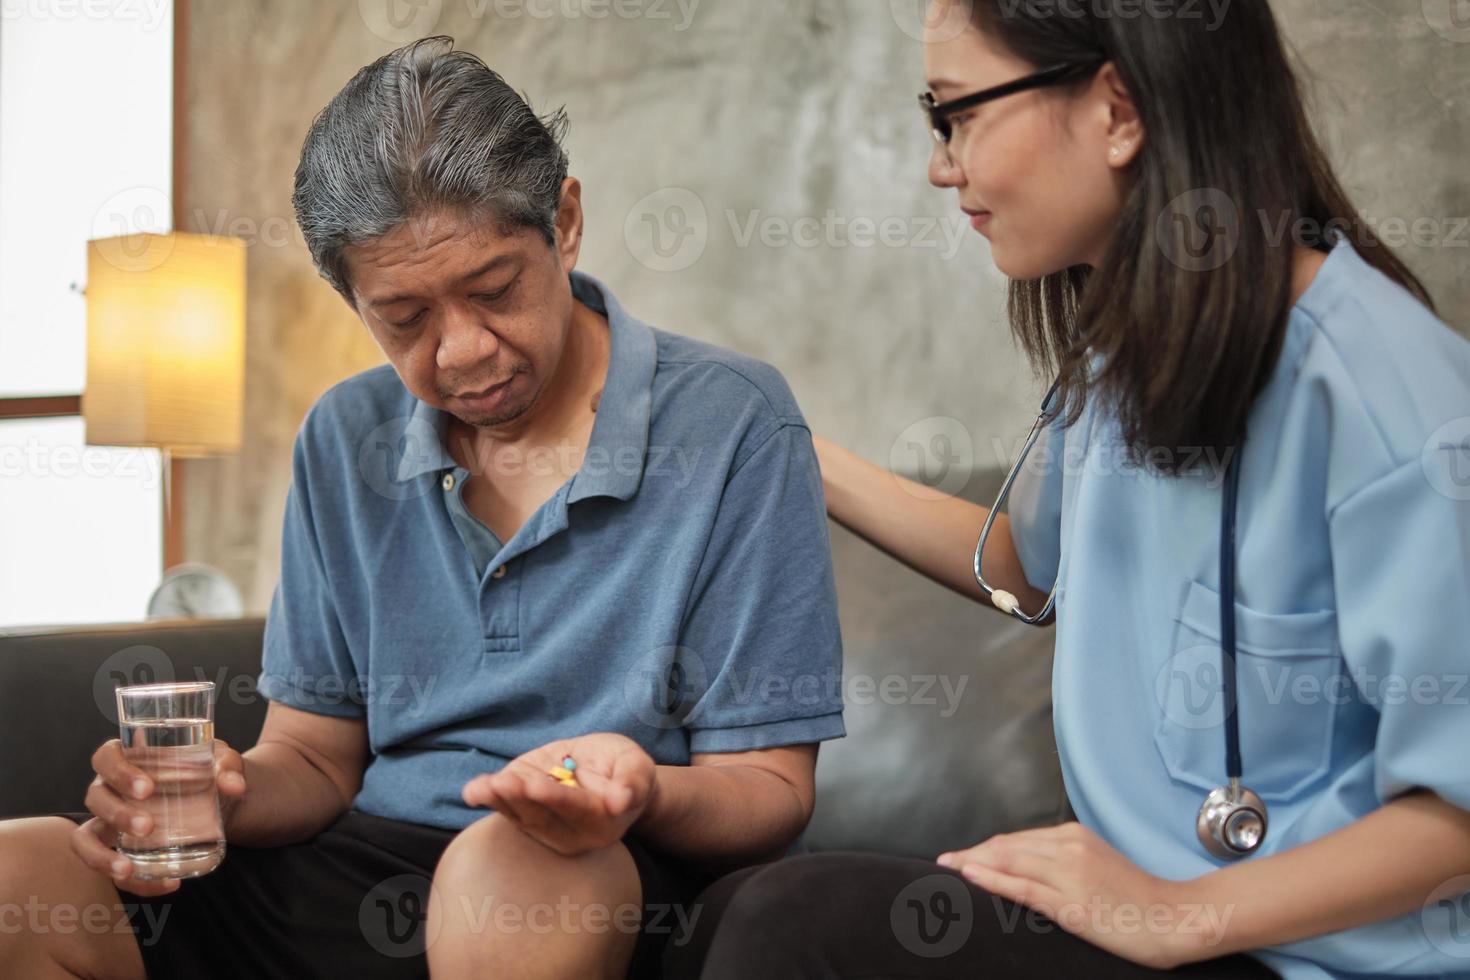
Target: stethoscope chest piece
(1232,822)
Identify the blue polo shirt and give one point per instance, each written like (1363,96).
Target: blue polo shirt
(677,589)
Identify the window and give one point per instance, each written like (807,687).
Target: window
(86,123)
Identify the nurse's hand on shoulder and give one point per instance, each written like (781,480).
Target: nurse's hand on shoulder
(615,780)
(1073,877)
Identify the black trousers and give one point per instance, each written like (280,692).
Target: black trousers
(351,904)
(876,916)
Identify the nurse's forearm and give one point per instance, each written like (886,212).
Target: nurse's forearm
(933,534)
(1385,865)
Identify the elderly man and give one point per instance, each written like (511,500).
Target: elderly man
(555,637)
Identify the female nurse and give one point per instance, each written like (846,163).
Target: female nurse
(1259,441)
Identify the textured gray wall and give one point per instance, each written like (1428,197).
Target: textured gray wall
(776,150)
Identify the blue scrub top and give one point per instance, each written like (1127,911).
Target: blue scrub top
(1352,611)
(678,589)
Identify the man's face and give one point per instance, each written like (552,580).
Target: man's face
(474,317)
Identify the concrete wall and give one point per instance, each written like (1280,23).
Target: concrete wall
(721,126)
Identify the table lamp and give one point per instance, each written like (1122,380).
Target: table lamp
(166,350)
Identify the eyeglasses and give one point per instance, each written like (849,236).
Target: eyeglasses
(939,113)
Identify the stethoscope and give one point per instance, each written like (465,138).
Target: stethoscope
(1232,820)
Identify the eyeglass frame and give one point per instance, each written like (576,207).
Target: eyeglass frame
(938,113)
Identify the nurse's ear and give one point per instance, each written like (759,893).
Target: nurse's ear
(1122,129)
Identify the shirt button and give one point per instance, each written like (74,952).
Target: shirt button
(498,573)
(448,482)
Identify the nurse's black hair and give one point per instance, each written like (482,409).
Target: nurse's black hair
(1186,345)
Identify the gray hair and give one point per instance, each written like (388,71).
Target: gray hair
(422,129)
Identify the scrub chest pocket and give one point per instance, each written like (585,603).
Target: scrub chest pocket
(1291,679)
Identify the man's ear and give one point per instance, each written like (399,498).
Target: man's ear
(569,224)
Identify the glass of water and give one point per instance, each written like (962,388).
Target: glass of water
(168,732)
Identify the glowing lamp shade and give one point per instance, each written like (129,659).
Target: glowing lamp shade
(165,342)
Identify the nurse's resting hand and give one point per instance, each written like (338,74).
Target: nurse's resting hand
(1073,877)
(615,779)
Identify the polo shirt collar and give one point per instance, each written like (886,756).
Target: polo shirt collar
(618,448)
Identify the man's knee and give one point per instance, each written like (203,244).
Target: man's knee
(495,848)
(32,854)
(55,913)
(499,893)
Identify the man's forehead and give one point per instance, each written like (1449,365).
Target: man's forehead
(455,251)
(421,233)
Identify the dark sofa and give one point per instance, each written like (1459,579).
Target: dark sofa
(948,716)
